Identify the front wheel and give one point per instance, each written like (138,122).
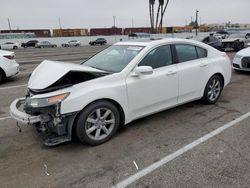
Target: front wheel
(213,90)
(97,123)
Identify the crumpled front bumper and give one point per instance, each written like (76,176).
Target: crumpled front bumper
(22,117)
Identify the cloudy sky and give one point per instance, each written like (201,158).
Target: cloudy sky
(27,14)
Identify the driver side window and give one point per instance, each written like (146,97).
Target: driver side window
(159,57)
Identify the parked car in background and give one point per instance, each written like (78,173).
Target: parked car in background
(124,82)
(45,44)
(8,65)
(31,43)
(213,41)
(10,46)
(101,41)
(72,43)
(221,34)
(241,60)
(236,41)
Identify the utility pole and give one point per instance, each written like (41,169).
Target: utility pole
(60,25)
(132,22)
(196,23)
(9,24)
(114,17)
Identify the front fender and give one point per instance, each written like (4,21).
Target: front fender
(81,96)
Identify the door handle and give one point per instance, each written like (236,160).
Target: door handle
(171,72)
(203,64)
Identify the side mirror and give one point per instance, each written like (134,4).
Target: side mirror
(142,70)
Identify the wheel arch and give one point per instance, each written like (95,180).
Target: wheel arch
(117,105)
(220,75)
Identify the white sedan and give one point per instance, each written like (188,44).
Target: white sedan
(10,46)
(241,60)
(126,81)
(72,43)
(8,65)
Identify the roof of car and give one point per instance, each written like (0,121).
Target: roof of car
(152,42)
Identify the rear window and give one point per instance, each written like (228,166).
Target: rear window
(202,53)
(186,52)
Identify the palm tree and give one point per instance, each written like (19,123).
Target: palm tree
(163,12)
(160,9)
(151,12)
(156,26)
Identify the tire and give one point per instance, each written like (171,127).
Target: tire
(92,119)
(2,75)
(213,90)
(15,47)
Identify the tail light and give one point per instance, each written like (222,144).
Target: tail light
(10,57)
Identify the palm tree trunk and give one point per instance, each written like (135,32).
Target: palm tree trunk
(162,15)
(157,18)
(150,14)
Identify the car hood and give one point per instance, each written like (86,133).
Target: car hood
(48,73)
(231,39)
(245,52)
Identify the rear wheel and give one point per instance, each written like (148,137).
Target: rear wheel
(14,47)
(213,90)
(97,123)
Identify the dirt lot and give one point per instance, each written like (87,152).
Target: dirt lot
(222,161)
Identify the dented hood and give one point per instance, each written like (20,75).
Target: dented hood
(49,72)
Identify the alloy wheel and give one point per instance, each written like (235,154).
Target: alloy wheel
(100,123)
(214,89)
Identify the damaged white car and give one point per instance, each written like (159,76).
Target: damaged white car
(126,81)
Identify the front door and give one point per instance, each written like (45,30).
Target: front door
(151,93)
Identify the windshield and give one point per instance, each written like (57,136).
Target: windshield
(237,35)
(114,58)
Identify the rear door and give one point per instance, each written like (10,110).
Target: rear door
(193,69)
